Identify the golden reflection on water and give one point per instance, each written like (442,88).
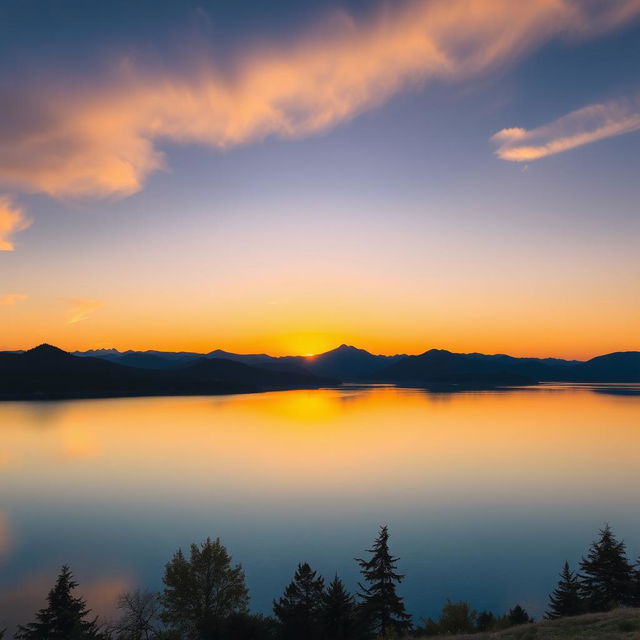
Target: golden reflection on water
(342,445)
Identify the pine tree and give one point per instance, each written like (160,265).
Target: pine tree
(565,599)
(63,618)
(606,579)
(338,612)
(201,592)
(636,585)
(298,610)
(382,607)
(518,615)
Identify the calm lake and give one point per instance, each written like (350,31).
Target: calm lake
(485,493)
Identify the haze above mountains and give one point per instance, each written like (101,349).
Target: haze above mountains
(48,372)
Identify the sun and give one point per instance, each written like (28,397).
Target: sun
(308,344)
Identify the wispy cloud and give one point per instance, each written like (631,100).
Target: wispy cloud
(9,299)
(12,220)
(82,308)
(583,126)
(101,139)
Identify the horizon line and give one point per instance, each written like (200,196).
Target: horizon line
(313,355)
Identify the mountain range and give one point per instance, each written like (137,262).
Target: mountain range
(49,372)
(350,364)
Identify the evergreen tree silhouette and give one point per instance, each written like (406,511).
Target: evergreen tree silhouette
(202,592)
(485,621)
(64,616)
(636,585)
(606,578)
(382,607)
(565,599)
(298,610)
(338,612)
(518,615)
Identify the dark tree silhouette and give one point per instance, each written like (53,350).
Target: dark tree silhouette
(635,585)
(338,612)
(457,617)
(382,607)
(606,578)
(202,592)
(246,626)
(485,621)
(299,609)
(139,616)
(64,618)
(565,599)
(517,616)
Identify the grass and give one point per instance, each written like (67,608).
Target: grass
(621,624)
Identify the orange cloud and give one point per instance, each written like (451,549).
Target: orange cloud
(12,220)
(583,126)
(101,140)
(10,299)
(82,309)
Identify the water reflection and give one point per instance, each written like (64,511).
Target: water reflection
(486,493)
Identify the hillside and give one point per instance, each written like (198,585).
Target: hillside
(234,372)
(49,372)
(435,367)
(438,366)
(621,624)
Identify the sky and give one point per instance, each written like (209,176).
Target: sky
(286,177)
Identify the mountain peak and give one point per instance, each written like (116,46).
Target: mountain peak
(434,352)
(347,348)
(46,349)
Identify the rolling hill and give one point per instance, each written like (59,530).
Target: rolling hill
(49,372)
(437,367)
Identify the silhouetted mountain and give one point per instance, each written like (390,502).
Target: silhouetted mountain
(146,361)
(292,364)
(443,367)
(218,369)
(239,357)
(143,359)
(98,353)
(347,363)
(49,372)
(623,366)
(438,366)
(350,364)
(344,363)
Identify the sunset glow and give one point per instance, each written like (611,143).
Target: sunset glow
(340,181)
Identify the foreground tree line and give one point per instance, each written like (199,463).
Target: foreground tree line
(205,598)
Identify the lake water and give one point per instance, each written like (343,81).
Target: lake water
(485,493)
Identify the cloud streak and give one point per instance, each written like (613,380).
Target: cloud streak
(101,138)
(81,309)
(583,126)
(12,220)
(10,299)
